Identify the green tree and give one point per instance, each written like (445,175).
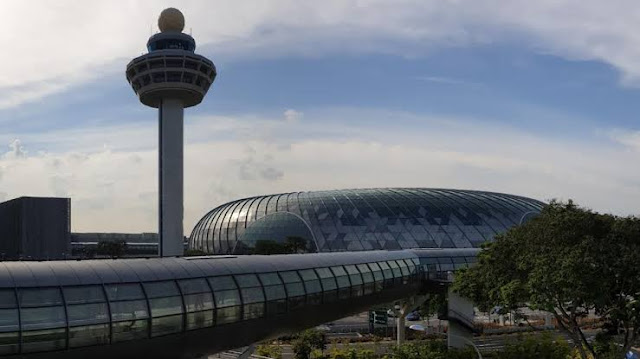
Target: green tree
(271,351)
(535,347)
(266,246)
(566,261)
(306,341)
(435,304)
(430,349)
(296,244)
(113,249)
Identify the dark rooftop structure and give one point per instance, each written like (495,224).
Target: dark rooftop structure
(35,228)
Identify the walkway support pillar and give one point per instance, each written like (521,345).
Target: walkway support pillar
(460,315)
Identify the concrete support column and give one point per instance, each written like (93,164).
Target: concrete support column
(170,152)
(400,321)
(460,313)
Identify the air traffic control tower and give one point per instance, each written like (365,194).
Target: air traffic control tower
(170,77)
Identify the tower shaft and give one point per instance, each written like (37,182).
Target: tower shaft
(171,187)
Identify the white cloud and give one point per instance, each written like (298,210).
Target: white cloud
(114,188)
(630,139)
(53,45)
(292,116)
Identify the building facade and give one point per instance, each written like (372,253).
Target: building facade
(362,220)
(35,228)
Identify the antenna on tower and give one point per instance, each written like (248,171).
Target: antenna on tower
(190,34)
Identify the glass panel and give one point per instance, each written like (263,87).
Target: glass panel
(270,279)
(252,311)
(199,319)
(324,273)
(227,298)
(39,297)
(166,325)
(82,314)
(290,277)
(247,280)
(354,275)
(8,321)
(129,310)
(313,286)
(228,315)
(130,330)
(84,294)
(198,302)
(329,284)
(367,277)
(252,295)
(377,272)
(161,289)
(386,270)
(395,268)
(165,306)
(339,270)
(7,298)
(294,289)
(124,291)
(192,286)
(341,277)
(274,292)
(43,340)
(89,335)
(403,268)
(42,318)
(308,274)
(221,283)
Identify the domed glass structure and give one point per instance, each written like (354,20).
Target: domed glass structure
(362,219)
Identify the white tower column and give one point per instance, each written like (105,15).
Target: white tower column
(171,188)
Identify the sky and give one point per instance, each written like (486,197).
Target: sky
(534,98)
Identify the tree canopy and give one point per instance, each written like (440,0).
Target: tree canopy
(567,261)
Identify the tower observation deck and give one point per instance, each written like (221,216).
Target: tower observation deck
(170,77)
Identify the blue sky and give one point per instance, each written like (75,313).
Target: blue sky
(537,99)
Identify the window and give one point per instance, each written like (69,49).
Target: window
(356,280)
(8,322)
(367,278)
(378,278)
(198,303)
(43,319)
(329,285)
(387,273)
(165,303)
(227,299)
(129,312)
(274,292)
(397,272)
(342,279)
(252,296)
(413,268)
(88,315)
(295,290)
(312,286)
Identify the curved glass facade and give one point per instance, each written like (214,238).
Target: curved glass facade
(362,219)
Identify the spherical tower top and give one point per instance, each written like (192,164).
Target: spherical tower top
(171,19)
